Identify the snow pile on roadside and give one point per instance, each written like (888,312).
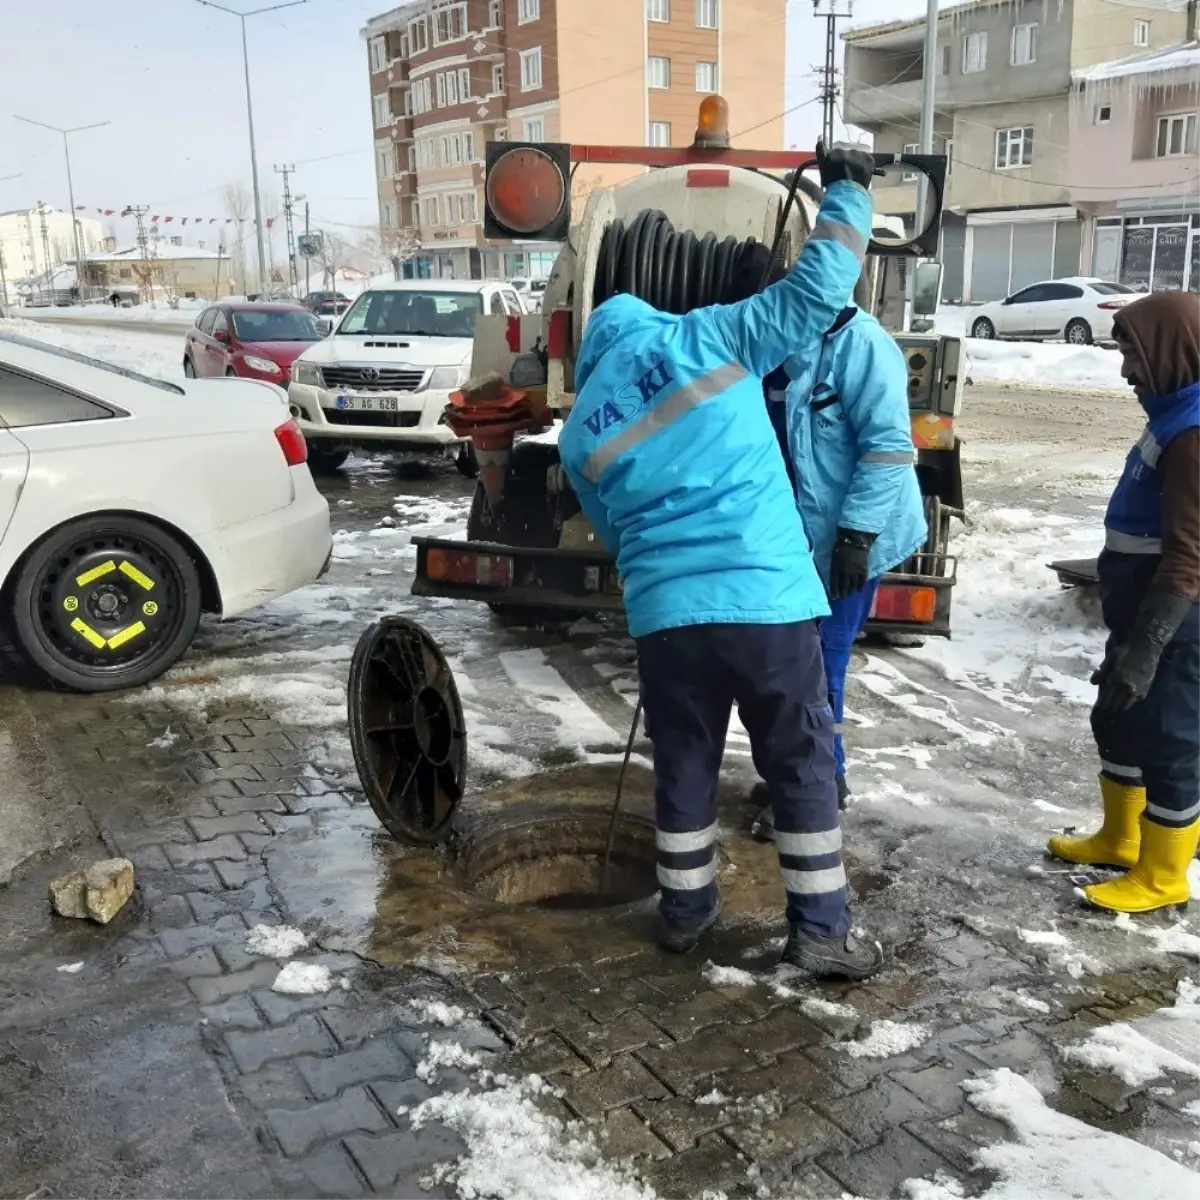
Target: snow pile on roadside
(887,1039)
(159,356)
(1016,631)
(1057,1156)
(517,1152)
(275,941)
(1045,365)
(1142,1050)
(140,314)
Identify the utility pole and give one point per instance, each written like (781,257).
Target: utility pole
(47,278)
(928,103)
(307,260)
(833,11)
(70,186)
(138,212)
(286,171)
(258,220)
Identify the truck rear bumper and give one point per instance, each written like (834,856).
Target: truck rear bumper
(585,581)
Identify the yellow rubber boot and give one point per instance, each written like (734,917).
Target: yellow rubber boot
(1160,878)
(1117,843)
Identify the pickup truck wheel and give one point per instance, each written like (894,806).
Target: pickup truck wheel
(325,462)
(104,603)
(464,461)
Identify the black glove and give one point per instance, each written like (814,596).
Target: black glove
(1128,670)
(848,569)
(845,161)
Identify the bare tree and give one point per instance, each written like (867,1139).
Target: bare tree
(334,256)
(238,203)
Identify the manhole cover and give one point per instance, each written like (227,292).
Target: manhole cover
(555,860)
(406,730)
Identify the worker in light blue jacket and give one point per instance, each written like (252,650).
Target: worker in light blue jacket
(672,455)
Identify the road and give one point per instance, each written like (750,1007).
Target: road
(168,1065)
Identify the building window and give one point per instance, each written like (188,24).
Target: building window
(528,10)
(534,130)
(449,24)
(412,156)
(408,102)
(706,14)
(378,51)
(1141,34)
(495,12)
(660,133)
(422,96)
(949,157)
(387,215)
(498,77)
(658,72)
(429,211)
(124,272)
(426,154)
(1014,148)
(974,54)
(1176,136)
(1103,114)
(177,241)
(404,45)
(418,35)
(658,10)
(946,52)
(453,87)
(910,176)
(461,208)
(383,163)
(531,69)
(382,112)
(706,77)
(1024,45)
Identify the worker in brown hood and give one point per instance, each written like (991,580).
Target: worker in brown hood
(1147,715)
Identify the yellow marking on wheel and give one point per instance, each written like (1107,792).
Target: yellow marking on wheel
(127,634)
(150,608)
(71,603)
(88,634)
(142,580)
(95,573)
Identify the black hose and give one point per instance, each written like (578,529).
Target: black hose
(672,270)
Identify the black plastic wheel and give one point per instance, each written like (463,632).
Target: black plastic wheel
(106,603)
(465,462)
(189,371)
(406,730)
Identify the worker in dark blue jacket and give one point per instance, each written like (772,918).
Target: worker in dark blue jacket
(672,455)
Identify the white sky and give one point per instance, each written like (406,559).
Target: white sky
(168,75)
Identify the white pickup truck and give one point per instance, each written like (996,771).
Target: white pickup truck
(382,379)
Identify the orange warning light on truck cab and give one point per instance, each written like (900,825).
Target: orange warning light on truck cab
(712,127)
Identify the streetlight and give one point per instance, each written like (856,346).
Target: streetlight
(70,187)
(258,225)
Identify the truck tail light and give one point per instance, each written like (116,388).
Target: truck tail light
(291,442)
(559,333)
(484,570)
(912,604)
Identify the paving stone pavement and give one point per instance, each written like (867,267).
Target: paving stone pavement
(734,1089)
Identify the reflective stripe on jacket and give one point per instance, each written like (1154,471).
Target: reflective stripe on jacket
(850,436)
(671,452)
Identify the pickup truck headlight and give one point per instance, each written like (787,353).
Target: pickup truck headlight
(261,364)
(446,379)
(308,373)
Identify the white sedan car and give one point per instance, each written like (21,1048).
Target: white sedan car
(1079,311)
(128,506)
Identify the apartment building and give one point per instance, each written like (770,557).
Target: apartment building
(449,76)
(1007,73)
(28,251)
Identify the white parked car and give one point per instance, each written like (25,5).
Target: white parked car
(530,291)
(129,506)
(383,378)
(1079,311)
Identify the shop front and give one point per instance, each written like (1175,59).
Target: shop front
(1149,251)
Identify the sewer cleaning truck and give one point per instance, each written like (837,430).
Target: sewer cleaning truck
(669,234)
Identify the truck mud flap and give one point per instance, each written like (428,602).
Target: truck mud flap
(1076,572)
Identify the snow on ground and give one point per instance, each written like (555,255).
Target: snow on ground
(159,355)
(140,314)
(1056,1156)
(887,1039)
(275,941)
(303,979)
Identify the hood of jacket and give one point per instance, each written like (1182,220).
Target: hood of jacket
(614,319)
(1164,331)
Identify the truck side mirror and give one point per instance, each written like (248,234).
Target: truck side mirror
(927,289)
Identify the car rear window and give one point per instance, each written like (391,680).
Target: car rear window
(1111,289)
(29,343)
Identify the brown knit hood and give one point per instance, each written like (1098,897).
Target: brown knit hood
(1164,331)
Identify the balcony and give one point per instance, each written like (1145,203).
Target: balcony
(867,106)
(486,44)
(397,71)
(404,184)
(402,128)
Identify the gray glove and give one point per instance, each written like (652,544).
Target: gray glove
(845,161)
(1127,673)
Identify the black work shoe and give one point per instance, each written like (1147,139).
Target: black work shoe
(763,827)
(831,957)
(682,939)
(844,793)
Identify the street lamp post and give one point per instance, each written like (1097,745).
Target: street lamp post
(258,223)
(70,188)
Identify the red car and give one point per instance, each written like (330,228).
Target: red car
(255,341)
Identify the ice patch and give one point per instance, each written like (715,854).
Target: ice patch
(943,1186)
(720,977)
(275,941)
(70,968)
(164,741)
(1043,937)
(713,1097)
(816,1007)
(437,1012)
(303,979)
(887,1039)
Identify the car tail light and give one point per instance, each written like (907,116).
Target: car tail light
(291,442)
(452,566)
(1112,304)
(912,604)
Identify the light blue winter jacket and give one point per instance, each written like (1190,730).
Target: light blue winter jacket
(672,454)
(850,436)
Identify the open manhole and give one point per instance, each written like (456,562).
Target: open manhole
(555,860)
